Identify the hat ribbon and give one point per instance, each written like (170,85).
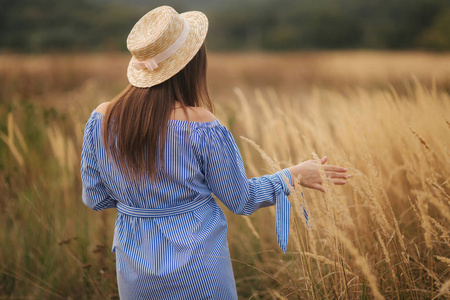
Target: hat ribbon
(152,63)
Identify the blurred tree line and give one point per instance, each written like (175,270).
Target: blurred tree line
(82,25)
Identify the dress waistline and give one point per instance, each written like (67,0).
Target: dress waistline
(163,212)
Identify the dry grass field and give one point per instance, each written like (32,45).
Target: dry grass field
(385,116)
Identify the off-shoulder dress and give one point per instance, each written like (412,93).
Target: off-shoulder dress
(170,239)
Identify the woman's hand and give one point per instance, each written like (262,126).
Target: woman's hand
(310,176)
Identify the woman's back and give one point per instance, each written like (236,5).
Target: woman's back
(180,180)
(178,230)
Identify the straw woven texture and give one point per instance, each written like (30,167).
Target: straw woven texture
(156,31)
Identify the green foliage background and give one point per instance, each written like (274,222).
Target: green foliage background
(82,25)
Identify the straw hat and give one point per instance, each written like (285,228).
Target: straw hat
(162,43)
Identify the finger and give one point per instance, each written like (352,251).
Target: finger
(337,175)
(339,182)
(318,187)
(334,168)
(323,160)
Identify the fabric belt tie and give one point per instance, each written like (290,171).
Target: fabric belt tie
(283,212)
(163,212)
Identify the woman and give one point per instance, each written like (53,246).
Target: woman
(156,153)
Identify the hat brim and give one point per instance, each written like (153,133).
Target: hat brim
(198,27)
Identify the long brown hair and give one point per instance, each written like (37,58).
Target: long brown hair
(135,123)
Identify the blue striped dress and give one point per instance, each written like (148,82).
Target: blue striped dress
(170,239)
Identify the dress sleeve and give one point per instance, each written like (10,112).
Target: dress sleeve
(94,193)
(226,178)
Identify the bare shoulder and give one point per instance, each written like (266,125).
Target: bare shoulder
(102,107)
(200,114)
(193,114)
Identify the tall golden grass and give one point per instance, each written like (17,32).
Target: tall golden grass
(383,235)
(386,233)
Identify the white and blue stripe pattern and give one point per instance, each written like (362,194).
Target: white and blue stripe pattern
(170,238)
